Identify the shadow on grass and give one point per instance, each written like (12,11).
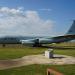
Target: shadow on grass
(54,47)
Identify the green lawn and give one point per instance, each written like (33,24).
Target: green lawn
(10,53)
(70,52)
(39,70)
(17,51)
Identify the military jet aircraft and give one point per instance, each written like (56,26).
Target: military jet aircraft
(70,35)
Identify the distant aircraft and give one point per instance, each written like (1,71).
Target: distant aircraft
(37,41)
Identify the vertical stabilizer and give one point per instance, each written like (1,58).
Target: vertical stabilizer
(72,29)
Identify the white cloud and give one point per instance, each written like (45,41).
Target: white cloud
(9,11)
(20,22)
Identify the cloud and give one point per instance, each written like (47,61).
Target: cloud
(19,22)
(8,10)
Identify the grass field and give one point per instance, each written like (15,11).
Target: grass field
(69,52)
(39,70)
(10,52)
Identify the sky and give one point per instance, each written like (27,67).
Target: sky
(36,17)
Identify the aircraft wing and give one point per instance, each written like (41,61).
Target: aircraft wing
(63,38)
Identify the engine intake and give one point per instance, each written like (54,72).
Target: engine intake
(36,43)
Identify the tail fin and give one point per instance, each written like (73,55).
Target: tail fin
(72,29)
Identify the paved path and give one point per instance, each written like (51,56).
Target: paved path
(36,59)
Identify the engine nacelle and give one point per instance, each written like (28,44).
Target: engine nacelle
(36,43)
(31,42)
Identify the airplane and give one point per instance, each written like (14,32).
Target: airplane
(38,41)
(70,35)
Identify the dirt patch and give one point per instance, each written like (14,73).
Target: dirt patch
(36,59)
